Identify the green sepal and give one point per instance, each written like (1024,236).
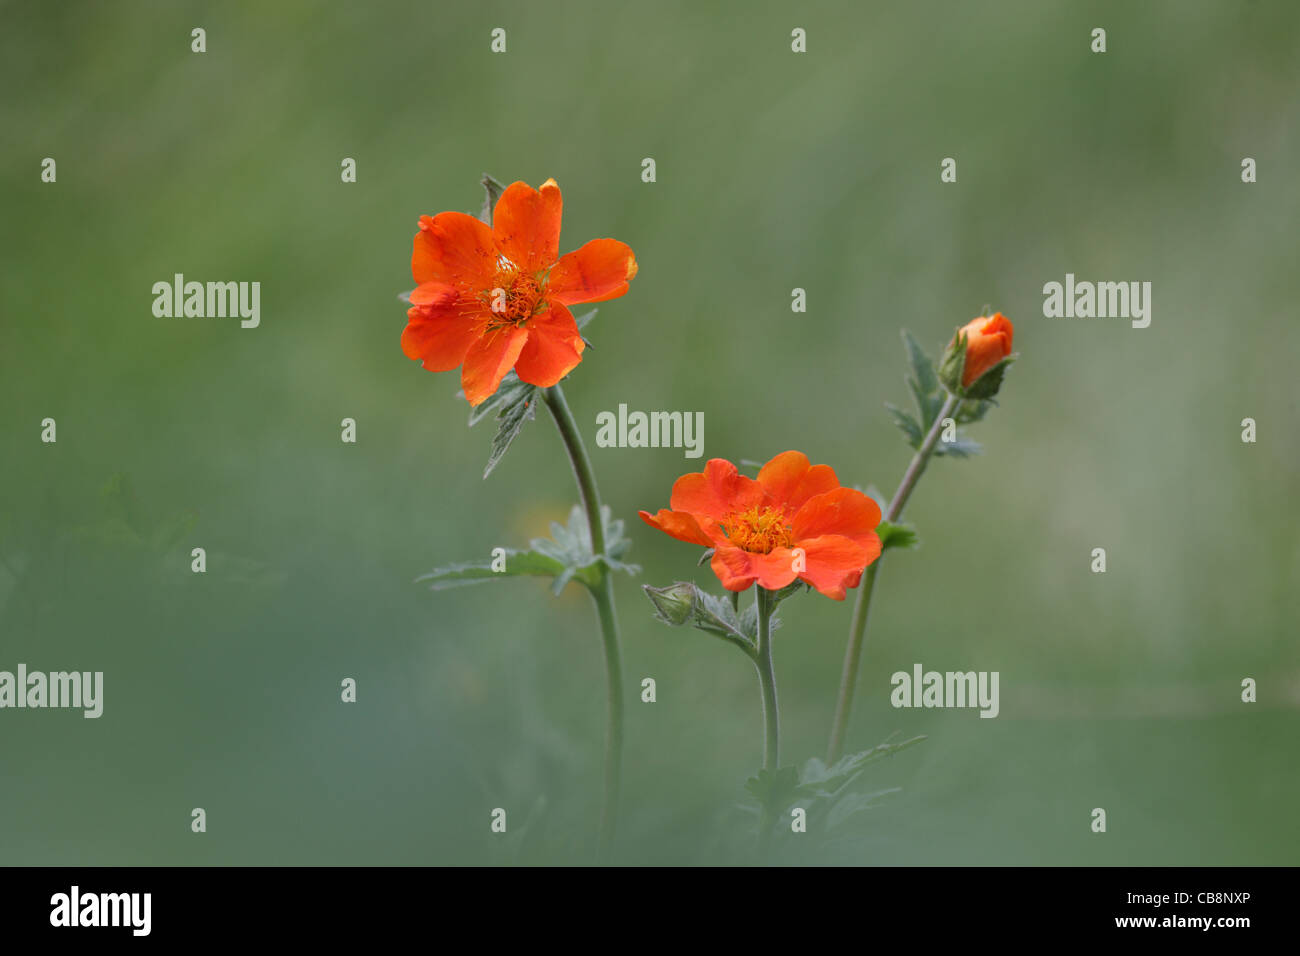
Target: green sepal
(953,365)
(492,190)
(987,385)
(896,535)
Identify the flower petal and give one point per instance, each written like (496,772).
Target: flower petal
(454,249)
(680,525)
(598,271)
(791,480)
(738,569)
(733,568)
(715,492)
(988,342)
(844,511)
(554,347)
(835,563)
(488,360)
(526,225)
(439,338)
(436,294)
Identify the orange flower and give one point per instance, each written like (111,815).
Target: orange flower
(754,527)
(988,342)
(493,299)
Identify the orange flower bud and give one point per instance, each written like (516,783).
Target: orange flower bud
(988,342)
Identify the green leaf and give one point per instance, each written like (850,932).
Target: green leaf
(570,544)
(896,535)
(476,572)
(826,793)
(922,365)
(565,556)
(683,603)
(961,448)
(908,424)
(514,403)
(817,779)
(923,382)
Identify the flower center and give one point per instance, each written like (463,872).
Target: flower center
(515,296)
(760,530)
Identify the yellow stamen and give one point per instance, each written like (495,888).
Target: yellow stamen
(760,530)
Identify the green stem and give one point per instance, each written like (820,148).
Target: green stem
(766,603)
(602,592)
(767,681)
(862,608)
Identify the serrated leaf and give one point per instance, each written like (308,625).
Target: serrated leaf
(923,382)
(565,556)
(907,423)
(815,778)
(774,788)
(570,544)
(961,448)
(516,406)
(476,572)
(922,365)
(511,390)
(896,535)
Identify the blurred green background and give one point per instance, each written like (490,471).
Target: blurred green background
(775,171)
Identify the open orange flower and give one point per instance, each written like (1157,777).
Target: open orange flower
(494,298)
(755,526)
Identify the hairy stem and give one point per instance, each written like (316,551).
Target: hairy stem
(602,593)
(766,603)
(862,608)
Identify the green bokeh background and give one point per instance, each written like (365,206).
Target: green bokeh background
(775,171)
